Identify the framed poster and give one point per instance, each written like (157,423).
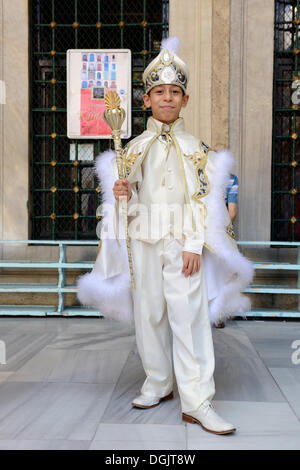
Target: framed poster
(91,73)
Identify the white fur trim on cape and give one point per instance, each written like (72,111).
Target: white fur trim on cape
(110,296)
(237,269)
(103,169)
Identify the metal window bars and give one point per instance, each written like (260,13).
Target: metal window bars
(286,122)
(64,194)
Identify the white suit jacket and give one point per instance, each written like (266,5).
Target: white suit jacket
(157,186)
(204,175)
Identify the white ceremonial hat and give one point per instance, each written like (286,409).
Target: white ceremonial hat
(167,68)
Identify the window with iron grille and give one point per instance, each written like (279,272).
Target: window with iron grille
(64,194)
(286,123)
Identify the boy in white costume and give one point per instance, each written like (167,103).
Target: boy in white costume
(187,268)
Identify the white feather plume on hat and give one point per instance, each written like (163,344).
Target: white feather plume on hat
(172,44)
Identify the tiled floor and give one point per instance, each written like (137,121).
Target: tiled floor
(68,384)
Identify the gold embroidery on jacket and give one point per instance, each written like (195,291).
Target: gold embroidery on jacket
(99,247)
(199,159)
(129,160)
(230,231)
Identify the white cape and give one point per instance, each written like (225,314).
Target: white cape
(107,287)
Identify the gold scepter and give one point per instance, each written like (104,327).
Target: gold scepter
(114,116)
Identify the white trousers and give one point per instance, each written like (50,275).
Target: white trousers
(165,298)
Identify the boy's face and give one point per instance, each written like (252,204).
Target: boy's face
(166,102)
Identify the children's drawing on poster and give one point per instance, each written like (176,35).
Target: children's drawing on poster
(90,75)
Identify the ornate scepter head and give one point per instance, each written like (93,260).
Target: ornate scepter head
(114,116)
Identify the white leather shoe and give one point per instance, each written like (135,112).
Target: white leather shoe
(208,419)
(144,401)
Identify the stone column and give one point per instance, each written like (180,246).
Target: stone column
(192,22)
(204,29)
(251,100)
(14,127)
(220,74)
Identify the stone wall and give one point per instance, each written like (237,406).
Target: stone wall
(14,156)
